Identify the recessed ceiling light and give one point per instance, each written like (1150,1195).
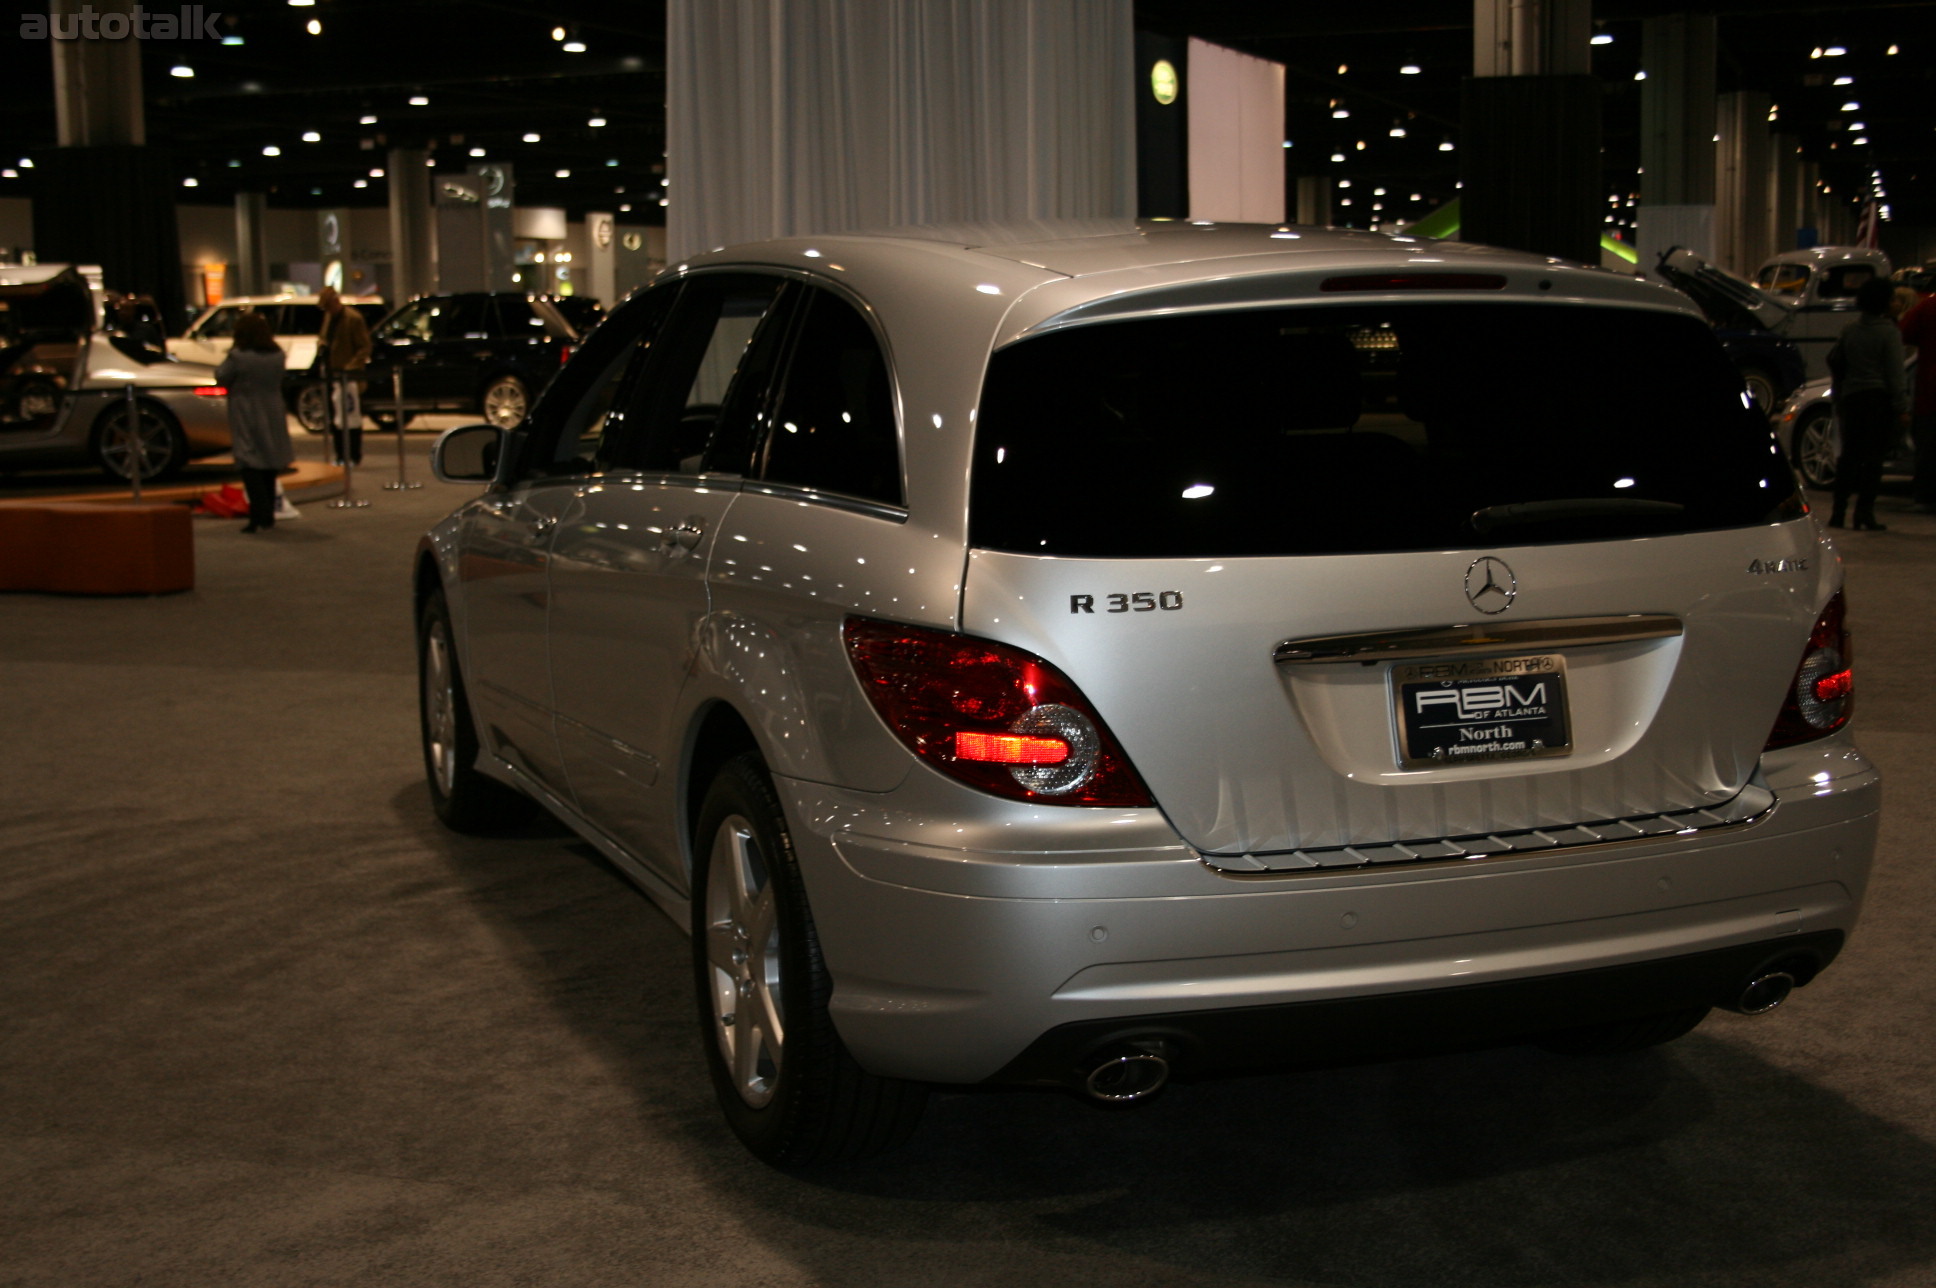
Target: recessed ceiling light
(315,26)
(191,183)
(1834,51)
(361,183)
(562,174)
(1398,131)
(532,138)
(573,46)
(310,136)
(477,152)
(1602,38)
(596,121)
(557,33)
(1845,80)
(1340,114)
(418,100)
(231,40)
(613,161)
(182,70)
(272,151)
(377,173)
(1409,69)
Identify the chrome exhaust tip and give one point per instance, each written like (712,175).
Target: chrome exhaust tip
(1124,1077)
(1763,993)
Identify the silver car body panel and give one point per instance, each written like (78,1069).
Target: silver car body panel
(959,927)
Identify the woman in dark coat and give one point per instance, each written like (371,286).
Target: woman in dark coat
(258,427)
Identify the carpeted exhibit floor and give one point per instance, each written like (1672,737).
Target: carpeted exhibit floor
(263,1022)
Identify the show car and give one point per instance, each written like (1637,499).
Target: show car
(64,385)
(1802,297)
(489,353)
(296,320)
(1072,660)
(1806,422)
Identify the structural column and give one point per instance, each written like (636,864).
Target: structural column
(413,248)
(103,196)
(1676,137)
(251,243)
(1785,195)
(1744,158)
(1530,162)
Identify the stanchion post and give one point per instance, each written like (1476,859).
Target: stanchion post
(396,403)
(132,424)
(339,404)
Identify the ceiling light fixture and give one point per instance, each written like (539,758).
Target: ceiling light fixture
(366,120)
(314,26)
(1601,38)
(182,70)
(532,138)
(419,100)
(310,136)
(573,46)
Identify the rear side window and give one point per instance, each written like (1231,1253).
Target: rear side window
(304,319)
(832,427)
(1365,430)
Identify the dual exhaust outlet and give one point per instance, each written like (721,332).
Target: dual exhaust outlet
(1127,1072)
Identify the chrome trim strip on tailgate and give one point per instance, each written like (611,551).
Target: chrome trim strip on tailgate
(1748,806)
(1438,641)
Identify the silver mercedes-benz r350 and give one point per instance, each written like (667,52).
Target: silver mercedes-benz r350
(1082,656)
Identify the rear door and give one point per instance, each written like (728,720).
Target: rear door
(628,572)
(1353,579)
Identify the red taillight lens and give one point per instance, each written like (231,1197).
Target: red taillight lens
(212,391)
(1823,694)
(992,716)
(564,354)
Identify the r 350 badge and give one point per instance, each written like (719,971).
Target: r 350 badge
(1141,601)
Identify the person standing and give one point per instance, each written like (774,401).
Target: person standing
(1871,400)
(343,353)
(258,426)
(1919,332)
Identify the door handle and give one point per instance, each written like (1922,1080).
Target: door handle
(683,537)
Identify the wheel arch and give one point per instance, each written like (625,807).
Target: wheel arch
(718,733)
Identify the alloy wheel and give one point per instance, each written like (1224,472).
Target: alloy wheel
(743,961)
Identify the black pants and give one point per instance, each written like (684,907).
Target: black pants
(1868,421)
(261,488)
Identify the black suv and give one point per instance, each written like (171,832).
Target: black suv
(477,351)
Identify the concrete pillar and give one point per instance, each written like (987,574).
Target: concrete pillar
(1785,190)
(97,82)
(1676,137)
(413,250)
(1314,199)
(251,269)
(103,196)
(601,253)
(1531,158)
(1743,159)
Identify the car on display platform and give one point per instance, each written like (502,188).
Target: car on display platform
(64,385)
(1802,297)
(484,352)
(297,321)
(1080,656)
(1807,424)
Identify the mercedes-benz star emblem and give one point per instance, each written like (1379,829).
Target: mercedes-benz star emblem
(1490,585)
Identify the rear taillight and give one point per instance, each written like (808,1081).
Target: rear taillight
(995,717)
(1823,694)
(212,391)
(564,354)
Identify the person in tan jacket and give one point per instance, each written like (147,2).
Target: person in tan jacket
(343,349)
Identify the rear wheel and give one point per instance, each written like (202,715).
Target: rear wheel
(464,799)
(311,407)
(1816,445)
(1623,1036)
(154,448)
(1761,390)
(504,402)
(788,1087)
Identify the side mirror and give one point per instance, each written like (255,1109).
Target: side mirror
(467,454)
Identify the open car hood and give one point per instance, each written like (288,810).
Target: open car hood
(1727,300)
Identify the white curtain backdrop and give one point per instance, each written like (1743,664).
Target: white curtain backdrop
(1236,136)
(789,117)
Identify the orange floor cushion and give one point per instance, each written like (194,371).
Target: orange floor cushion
(96,548)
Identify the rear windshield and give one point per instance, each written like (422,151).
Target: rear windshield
(1358,429)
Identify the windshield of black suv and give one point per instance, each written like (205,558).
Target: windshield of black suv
(1363,429)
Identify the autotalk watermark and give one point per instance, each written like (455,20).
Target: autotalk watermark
(188,22)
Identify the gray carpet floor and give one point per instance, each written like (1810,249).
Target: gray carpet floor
(263,1022)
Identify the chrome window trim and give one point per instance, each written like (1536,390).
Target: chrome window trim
(836,500)
(1438,641)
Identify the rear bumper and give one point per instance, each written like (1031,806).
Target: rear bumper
(963,933)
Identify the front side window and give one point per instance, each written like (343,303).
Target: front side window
(1785,279)
(414,322)
(220,325)
(832,427)
(1365,429)
(580,421)
(302,319)
(701,389)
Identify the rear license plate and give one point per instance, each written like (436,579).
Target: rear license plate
(1480,709)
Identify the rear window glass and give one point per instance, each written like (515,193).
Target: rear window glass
(1367,429)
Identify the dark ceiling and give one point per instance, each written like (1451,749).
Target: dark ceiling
(494,72)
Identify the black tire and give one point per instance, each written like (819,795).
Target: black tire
(465,800)
(1761,390)
(158,447)
(1622,1036)
(1816,445)
(504,401)
(786,1083)
(309,406)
